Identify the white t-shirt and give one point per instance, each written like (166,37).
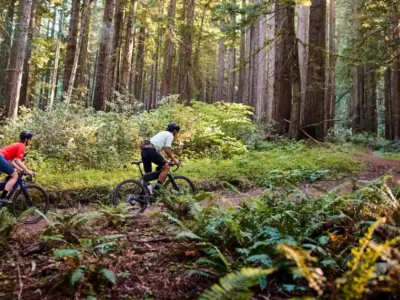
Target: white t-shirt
(162,139)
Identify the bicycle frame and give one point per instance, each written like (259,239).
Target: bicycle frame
(154,175)
(19,183)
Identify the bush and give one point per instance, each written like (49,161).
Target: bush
(74,137)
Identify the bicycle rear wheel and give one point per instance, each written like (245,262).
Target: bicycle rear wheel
(35,197)
(134,191)
(182,185)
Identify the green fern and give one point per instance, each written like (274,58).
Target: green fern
(70,253)
(77,274)
(109,275)
(236,286)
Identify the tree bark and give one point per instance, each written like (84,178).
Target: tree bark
(116,59)
(219,93)
(269,95)
(83,71)
(24,97)
(72,40)
(294,126)
(140,64)
(17,56)
(104,71)
(85,11)
(314,106)
(370,101)
(260,62)
(303,15)
(5,49)
(331,81)
(56,62)
(185,90)
(242,61)
(166,84)
(128,49)
(230,95)
(283,85)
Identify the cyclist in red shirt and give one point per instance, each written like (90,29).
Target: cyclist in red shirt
(11,160)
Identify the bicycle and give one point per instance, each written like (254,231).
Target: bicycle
(24,196)
(141,191)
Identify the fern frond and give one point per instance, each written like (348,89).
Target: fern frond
(236,285)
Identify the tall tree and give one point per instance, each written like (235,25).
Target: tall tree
(17,56)
(185,62)
(314,106)
(104,71)
(166,84)
(72,42)
(82,73)
(128,48)
(303,15)
(282,100)
(24,98)
(219,92)
(5,47)
(331,82)
(138,89)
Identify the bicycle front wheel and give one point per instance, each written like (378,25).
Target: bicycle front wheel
(181,185)
(131,191)
(33,204)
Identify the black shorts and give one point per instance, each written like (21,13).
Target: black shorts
(149,156)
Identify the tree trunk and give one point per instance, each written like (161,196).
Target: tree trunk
(370,101)
(83,71)
(260,62)
(24,98)
(128,50)
(283,85)
(219,93)
(116,61)
(104,71)
(388,110)
(269,94)
(71,46)
(5,49)
(331,82)
(314,106)
(56,62)
(295,76)
(303,15)
(140,64)
(185,90)
(17,56)
(85,11)
(242,61)
(395,79)
(166,84)
(230,95)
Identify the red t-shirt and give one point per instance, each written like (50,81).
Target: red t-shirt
(13,151)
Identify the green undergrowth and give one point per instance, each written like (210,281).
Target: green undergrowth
(387,155)
(281,166)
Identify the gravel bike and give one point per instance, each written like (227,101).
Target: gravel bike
(26,196)
(140,192)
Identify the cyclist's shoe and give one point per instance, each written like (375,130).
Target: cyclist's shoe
(5,202)
(130,199)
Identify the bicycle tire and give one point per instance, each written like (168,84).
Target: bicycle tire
(118,193)
(181,178)
(44,207)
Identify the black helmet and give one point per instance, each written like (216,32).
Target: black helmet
(173,126)
(25,135)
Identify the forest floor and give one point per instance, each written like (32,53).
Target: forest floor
(150,263)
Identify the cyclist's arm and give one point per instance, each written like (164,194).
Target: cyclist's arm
(168,152)
(16,166)
(20,164)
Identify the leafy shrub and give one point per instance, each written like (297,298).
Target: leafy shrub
(74,137)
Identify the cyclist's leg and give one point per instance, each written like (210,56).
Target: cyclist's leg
(6,167)
(146,158)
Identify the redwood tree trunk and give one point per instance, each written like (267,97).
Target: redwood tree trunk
(140,64)
(283,86)
(331,81)
(24,98)
(104,71)
(302,34)
(314,106)
(17,56)
(219,93)
(128,49)
(72,40)
(166,84)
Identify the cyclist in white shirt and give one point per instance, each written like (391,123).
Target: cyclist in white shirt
(151,152)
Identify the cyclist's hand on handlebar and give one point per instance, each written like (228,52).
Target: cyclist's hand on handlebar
(31,173)
(177,162)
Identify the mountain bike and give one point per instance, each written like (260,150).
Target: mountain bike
(26,196)
(140,192)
